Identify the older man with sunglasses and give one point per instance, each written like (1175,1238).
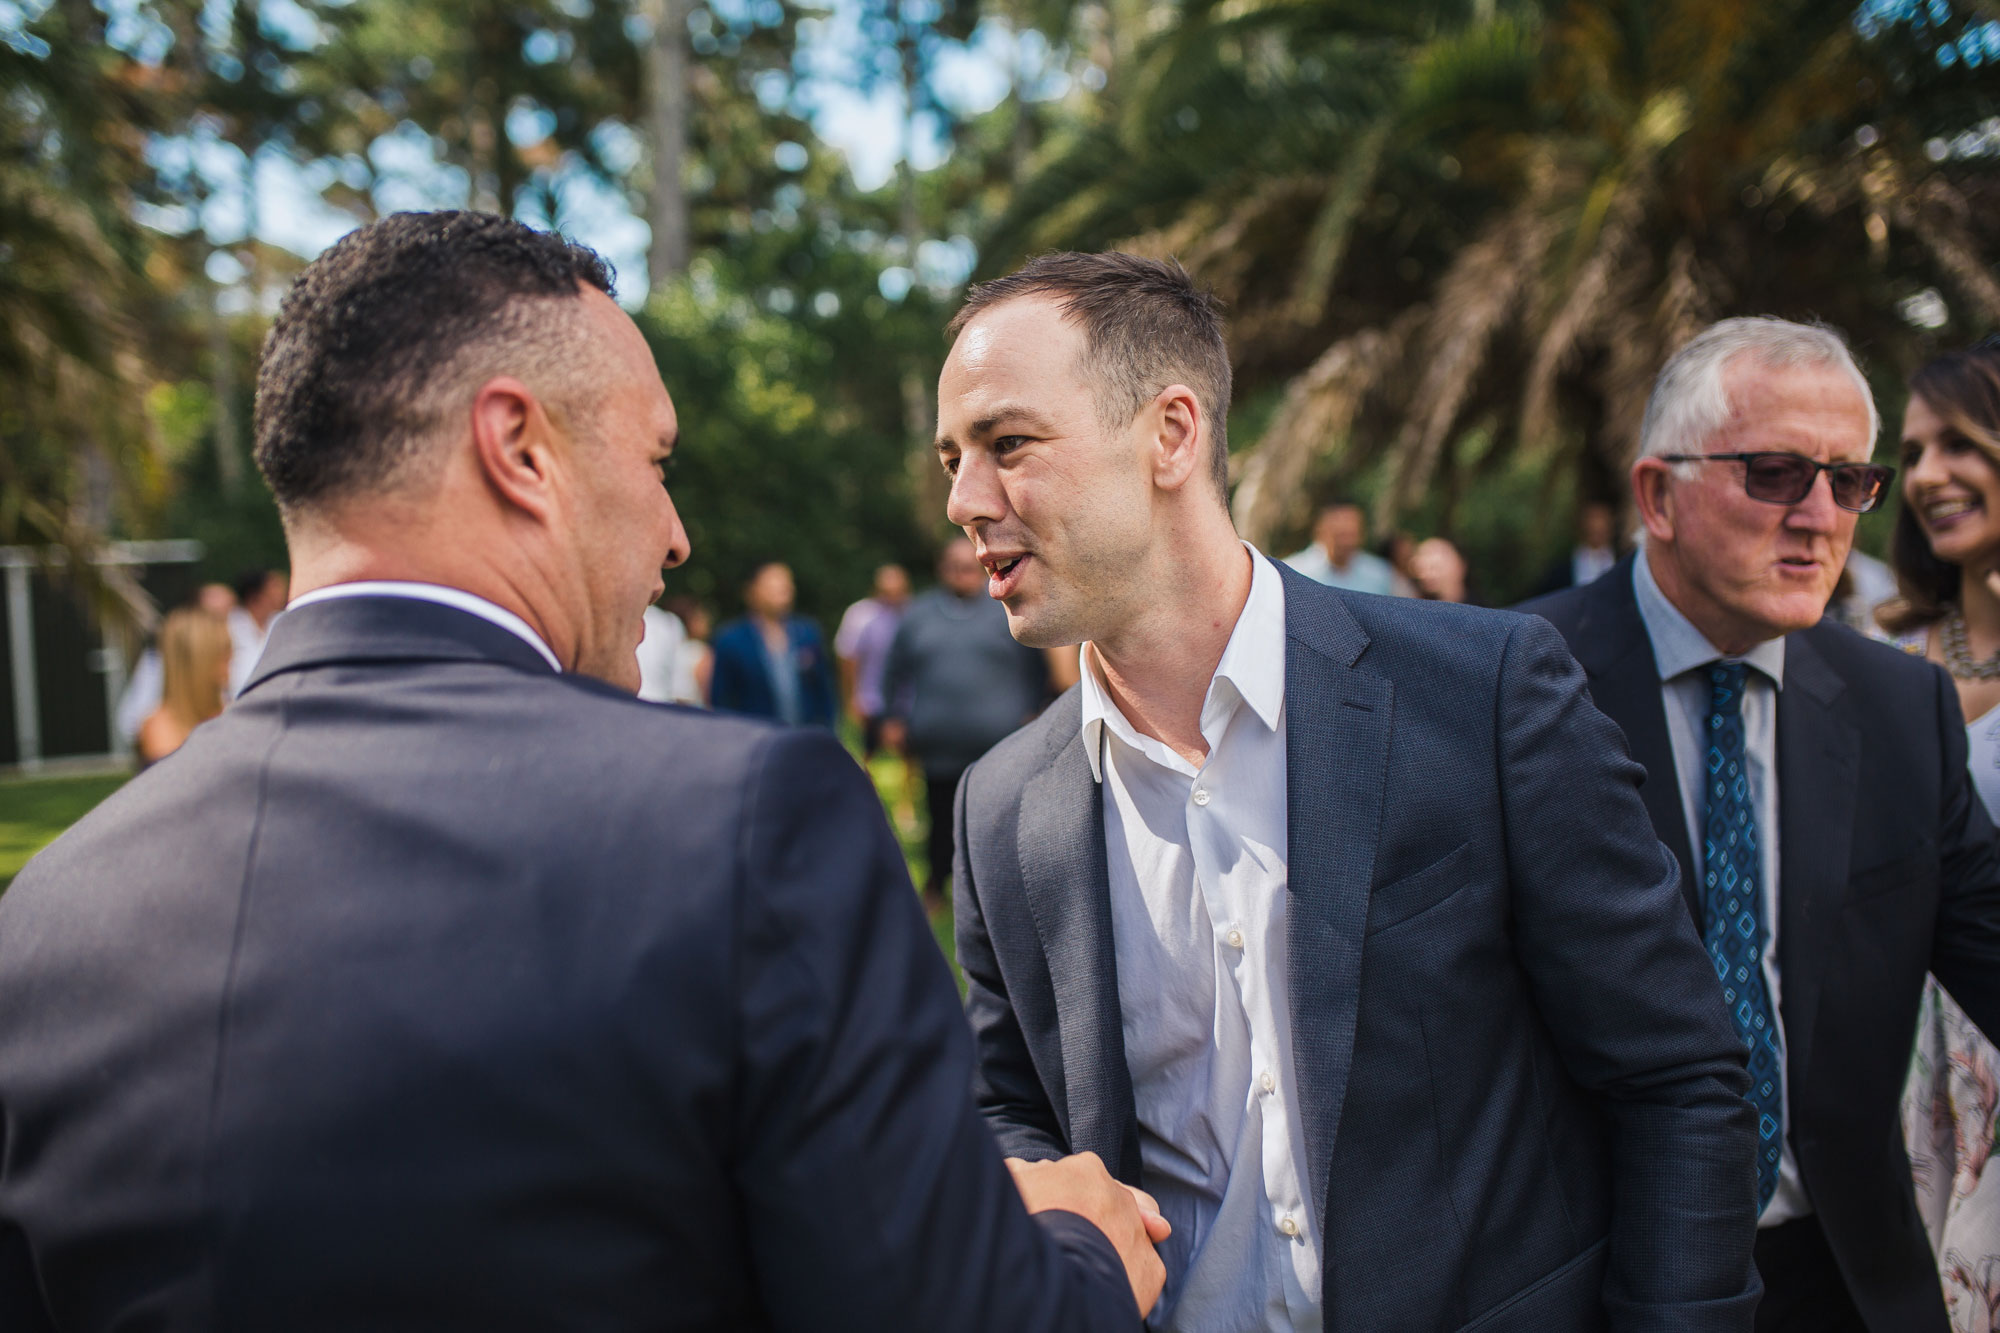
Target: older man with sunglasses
(1813,786)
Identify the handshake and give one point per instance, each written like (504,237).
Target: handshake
(1130,1218)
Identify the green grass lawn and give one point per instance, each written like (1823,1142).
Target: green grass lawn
(34,810)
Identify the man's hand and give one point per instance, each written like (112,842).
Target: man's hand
(1129,1217)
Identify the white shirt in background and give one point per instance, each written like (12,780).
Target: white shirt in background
(1197,866)
(659,656)
(246,645)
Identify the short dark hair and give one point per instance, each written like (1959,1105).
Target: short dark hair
(1145,326)
(358,369)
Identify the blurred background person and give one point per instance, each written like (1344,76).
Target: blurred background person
(862,646)
(957,684)
(259,595)
(1947,562)
(1595,552)
(1866,585)
(142,691)
(194,674)
(772,663)
(660,649)
(1339,556)
(694,662)
(1439,571)
(1399,548)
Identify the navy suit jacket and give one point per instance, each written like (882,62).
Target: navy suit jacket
(428,989)
(1889,869)
(740,681)
(1523,1101)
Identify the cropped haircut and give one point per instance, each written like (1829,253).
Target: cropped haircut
(1145,325)
(1963,388)
(1690,399)
(385,336)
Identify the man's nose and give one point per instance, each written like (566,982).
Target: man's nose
(1817,512)
(976,495)
(679,546)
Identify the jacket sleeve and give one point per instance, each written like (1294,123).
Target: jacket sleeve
(1004,1082)
(896,672)
(1965,952)
(723,693)
(875,1197)
(1630,999)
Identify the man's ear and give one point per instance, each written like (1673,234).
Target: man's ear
(1180,449)
(511,438)
(1652,495)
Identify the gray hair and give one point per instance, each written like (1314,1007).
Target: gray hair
(1690,402)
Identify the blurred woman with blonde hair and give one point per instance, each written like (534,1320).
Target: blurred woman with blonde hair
(194,661)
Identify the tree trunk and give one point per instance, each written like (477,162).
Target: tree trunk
(666,133)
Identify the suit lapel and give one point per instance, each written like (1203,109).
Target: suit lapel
(1617,656)
(1819,751)
(1068,891)
(1337,725)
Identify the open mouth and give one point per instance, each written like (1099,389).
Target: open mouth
(1941,514)
(1003,573)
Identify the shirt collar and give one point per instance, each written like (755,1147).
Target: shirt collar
(458,598)
(1678,647)
(1252,671)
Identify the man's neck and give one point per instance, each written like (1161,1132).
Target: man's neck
(324,559)
(1724,633)
(1339,562)
(1157,670)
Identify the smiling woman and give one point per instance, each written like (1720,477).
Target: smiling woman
(1947,557)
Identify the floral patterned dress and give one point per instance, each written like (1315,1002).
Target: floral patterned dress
(1949,1113)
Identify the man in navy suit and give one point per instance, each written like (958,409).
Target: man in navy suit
(771,663)
(1854,855)
(439,984)
(1334,920)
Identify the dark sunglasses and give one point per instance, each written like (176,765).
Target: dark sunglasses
(1786,479)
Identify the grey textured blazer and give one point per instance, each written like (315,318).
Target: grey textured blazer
(1523,1101)
(426,989)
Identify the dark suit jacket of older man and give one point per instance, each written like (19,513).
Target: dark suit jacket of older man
(1888,869)
(428,989)
(1523,1101)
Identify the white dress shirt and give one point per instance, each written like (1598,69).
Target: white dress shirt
(1680,651)
(433,592)
(1196,859)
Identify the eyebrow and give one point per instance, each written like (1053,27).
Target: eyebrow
(987,424)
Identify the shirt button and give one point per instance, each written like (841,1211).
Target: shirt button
(1288,1226)
(1235,938)
(1268,1082)
(1201,796)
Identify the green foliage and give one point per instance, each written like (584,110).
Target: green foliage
(34,812)
(786,452)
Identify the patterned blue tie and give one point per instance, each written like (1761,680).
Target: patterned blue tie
(1733,913)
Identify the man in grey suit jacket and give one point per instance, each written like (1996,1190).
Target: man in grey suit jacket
(1334,920)
(437,985)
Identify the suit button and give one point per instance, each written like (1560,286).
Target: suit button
(1201,796)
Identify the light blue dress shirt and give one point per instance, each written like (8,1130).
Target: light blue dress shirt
(1680,651)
